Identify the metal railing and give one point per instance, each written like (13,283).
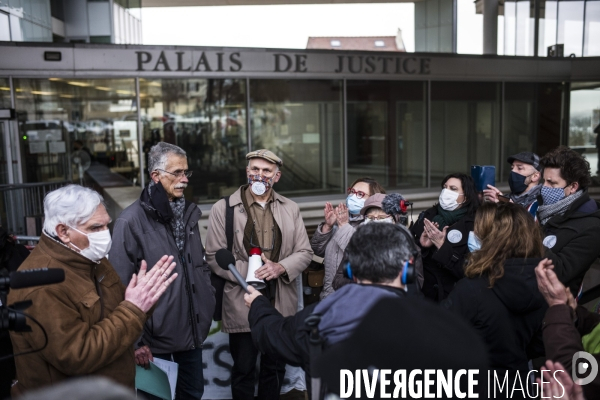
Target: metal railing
(22,206)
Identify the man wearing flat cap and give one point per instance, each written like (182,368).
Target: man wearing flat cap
(261,218)
(524,181)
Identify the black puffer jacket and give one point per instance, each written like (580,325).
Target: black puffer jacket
(572,240)
(509,316)
(443,267)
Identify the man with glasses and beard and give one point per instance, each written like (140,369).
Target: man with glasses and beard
(261,218)
(162,222)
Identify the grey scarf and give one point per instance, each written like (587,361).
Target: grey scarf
(177,224)
(526,198)
(545,212)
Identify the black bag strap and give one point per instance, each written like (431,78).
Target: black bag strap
(316,342)
(228,223)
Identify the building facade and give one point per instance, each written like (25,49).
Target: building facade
(406,120)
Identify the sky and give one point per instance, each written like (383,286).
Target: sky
(278,26)
(289,26)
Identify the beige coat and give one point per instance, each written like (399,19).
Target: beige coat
(295,255)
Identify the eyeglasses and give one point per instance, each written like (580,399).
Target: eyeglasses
(377,217)
(358,193)
(262,248)
(178,174)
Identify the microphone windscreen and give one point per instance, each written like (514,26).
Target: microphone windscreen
(224,258)
(391,204)
(36,277)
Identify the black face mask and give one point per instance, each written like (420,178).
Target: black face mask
(517,182)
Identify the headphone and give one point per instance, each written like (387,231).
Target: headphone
(409,275)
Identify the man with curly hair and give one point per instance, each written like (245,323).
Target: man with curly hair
(569,218)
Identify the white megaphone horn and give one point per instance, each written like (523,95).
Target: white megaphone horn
(254,263)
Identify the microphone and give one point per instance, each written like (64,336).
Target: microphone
(226,260)
(33,277)
(395,204)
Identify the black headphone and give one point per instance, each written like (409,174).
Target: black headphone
(409,275)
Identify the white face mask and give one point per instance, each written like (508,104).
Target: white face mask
(448,200)
(99,246)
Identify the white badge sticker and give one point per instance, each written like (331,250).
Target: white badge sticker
(550,241)
(454,236)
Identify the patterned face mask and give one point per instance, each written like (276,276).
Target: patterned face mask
(552,195)
(259,184)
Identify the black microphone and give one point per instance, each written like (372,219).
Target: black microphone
(226,260)
(33,277)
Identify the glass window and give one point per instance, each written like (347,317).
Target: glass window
(207,118)
(4,28)
(464,127)
(301,122)
(525,27)
(519,121)
(584,118)
(548,24)
(570,26)
(97,118)
(510,28)
(4,103)
(4,93)
(591,46)
(386,132)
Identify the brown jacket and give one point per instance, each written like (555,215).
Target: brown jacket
(89,331)
(295,255)
(562,339)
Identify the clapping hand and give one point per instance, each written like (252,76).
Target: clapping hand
(434,234)
(330,218)
(341,212)
(550,287)
(146,287)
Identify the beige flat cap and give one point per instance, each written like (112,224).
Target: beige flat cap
(265,154)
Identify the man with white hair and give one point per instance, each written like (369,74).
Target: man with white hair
(160,222)
(86,325)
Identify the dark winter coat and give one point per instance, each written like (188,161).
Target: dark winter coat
(572,240)
(443,267)
(287,338)
(508,316)
(142,232)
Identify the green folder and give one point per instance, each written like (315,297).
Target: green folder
(153,381)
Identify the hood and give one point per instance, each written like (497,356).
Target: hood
(518,289)
(342,311)
(157,204)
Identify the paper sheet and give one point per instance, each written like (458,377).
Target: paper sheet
(159,380)
(171,369)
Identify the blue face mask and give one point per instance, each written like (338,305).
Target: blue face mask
(354,204)
(474,243)
(552,195)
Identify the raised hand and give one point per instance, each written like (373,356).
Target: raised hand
(434,234)
(146,287)
(330,218)
(550,287)
(342,214)
(491,194)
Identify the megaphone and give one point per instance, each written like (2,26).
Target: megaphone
(254,263)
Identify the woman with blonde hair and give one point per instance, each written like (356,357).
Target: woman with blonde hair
(499,295)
